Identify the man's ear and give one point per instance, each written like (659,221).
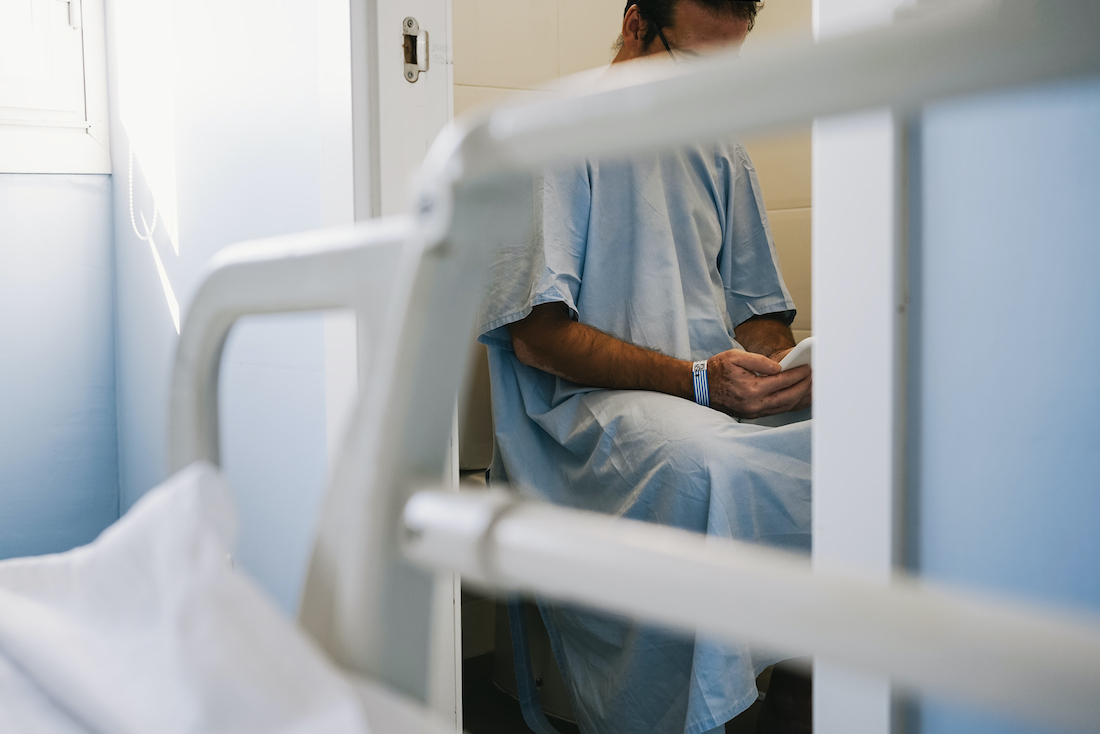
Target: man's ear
(634,28)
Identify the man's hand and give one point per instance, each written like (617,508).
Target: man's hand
(748,385)
(742,384)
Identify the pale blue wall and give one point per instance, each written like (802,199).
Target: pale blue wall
(1008,354)
(247,147)
(58,457)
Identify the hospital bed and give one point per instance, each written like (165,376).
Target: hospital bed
(388,523)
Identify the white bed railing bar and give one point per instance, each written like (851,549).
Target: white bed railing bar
(368,605)
(1020,660)
(362,600)
(940,51)
(344,267)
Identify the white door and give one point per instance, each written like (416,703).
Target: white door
(409,113)
(399,109)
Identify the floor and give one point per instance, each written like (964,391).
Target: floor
(746,722)
(488,710)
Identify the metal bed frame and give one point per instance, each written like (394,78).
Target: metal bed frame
(388,524)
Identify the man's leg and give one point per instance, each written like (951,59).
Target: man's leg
(661,459)
(658,458)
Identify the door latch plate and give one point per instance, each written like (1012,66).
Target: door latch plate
(415,46)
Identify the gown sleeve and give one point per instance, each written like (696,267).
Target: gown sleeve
(547,268)
(748,263)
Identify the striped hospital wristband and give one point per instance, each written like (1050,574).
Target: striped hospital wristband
(699,377)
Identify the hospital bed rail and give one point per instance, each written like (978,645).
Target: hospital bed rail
(337,268)
(1016,658)
(368,605)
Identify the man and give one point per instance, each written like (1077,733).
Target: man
(651,288)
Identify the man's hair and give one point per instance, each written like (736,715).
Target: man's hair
(659,13)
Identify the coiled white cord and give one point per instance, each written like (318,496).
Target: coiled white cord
(133,222)
(169,294)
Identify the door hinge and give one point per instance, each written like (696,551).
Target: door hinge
(415,44)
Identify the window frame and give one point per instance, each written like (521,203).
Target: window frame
(49,147)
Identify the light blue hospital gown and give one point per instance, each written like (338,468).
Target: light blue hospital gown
(668,251)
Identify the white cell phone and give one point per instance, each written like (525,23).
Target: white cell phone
(800,355)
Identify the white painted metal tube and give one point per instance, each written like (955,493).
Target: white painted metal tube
(1040,664)
(336,268)
(362,600)
(948,50)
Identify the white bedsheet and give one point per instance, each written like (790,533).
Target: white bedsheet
(148,629)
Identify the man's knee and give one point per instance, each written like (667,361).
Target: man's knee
(699,450)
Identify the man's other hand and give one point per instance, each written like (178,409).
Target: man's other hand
(748,385)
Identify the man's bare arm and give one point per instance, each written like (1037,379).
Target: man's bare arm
(743,384)
(765,335)
(553,342)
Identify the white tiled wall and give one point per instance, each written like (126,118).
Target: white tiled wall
(791,228)
(501,46)
(783,163)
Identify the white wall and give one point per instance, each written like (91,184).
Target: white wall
(1006,405)
(58,457)
(225,98)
